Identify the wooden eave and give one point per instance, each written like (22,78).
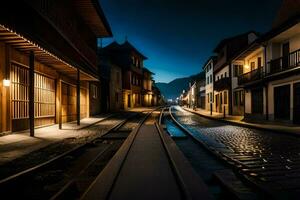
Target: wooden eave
(25,46)
(93,16)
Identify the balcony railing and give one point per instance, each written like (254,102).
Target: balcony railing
(253,75)
(284,63)
(222,84)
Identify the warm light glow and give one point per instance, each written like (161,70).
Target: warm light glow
(6,82)
(247,67)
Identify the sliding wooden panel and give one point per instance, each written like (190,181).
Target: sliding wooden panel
(68,103)
(19,97)
(72,103)
(83,103)
(44,102)
(44,98)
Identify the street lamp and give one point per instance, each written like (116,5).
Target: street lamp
(6,82)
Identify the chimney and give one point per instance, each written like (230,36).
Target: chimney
(287,10)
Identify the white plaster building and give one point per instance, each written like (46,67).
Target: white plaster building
(209,84)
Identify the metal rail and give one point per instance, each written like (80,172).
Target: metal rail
(234,163)
(190,184)
(110,173)
(60,193)
(32,170)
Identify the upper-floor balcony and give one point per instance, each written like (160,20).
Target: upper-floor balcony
(222,84)
(254,75)
(284,63)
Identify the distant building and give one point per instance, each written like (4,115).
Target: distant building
(208,68)
(156,96)
(48,65)
(200,93)
(147,88)
(124,63)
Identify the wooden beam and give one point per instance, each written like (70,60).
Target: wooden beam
(59,102)
(78,97)
(88,100)
(31,93)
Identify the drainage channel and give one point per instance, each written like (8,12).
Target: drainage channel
(218,176)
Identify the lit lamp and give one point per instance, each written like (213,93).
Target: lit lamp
(6,82)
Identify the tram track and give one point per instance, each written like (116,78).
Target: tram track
(245,189)
(109,182)
(68,174)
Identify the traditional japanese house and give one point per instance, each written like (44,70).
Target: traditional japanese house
(130,60)
(48,60)
(111,82)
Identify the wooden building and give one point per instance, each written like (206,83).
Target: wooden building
(130,60)
(111,82)
(48,60)
(147,88)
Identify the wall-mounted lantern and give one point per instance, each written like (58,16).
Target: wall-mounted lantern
(6,82)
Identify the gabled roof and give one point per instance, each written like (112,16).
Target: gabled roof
(147,70)
(230,39)
(214,58)
(126,46)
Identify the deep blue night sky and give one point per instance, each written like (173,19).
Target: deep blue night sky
(178,36)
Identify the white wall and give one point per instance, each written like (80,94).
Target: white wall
(209,88)
(222,71)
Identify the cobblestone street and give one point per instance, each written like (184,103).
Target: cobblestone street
(270,160)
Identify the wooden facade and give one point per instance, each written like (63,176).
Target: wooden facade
(45,67)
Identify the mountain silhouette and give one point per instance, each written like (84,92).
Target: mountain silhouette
(173,89)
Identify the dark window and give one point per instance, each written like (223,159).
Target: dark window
(94,91)
(257,101)
(117,97)
(238,98)
(210,78)
(241,69)
(242,98)
(221,76)
(285,54)
(225,97)
(221,98)
(282,102)
(252,65)
(238,70)
(259,62)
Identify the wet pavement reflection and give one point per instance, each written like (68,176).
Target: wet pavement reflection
(271,160)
